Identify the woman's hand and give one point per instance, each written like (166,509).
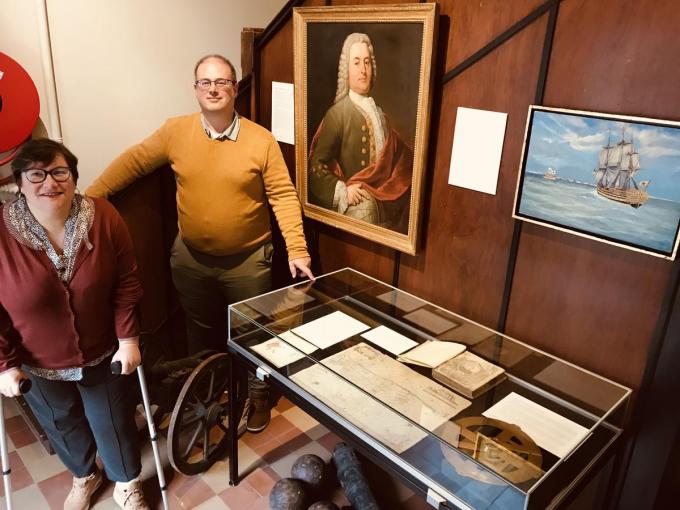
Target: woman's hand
(9,382)
(128,354)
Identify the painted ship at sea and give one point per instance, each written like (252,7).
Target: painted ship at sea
(550,174)
(614,175)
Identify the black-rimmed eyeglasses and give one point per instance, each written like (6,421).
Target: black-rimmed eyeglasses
(38,175)
(220,83)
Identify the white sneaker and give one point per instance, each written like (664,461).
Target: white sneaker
(82,491)
(129,496)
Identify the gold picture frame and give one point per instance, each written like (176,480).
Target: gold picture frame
(363,87)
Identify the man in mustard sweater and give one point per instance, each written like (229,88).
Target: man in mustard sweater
(227,169)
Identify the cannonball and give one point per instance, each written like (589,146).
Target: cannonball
(324,505)
(287,494)
(309,468)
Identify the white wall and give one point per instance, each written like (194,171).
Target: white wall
(122,67)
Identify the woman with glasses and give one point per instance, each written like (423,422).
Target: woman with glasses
(67,310)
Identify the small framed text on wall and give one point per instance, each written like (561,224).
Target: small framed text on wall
(610,178)
(362,103)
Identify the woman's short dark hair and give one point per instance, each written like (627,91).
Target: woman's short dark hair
(43,151)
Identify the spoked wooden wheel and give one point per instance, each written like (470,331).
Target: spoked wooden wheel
(197,437)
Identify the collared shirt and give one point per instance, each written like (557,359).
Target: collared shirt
(367,104)
(230,133)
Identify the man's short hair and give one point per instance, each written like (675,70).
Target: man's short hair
(43,151)
(343,63)
(216,57)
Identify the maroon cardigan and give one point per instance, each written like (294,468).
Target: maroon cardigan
(46,324)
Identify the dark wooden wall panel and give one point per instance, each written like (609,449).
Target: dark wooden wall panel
(590,303)
(475,24)
(617,56)
(341,249)
(467,235)
(143,209)
(277,65)
(594,304)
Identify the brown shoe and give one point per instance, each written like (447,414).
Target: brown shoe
(82,491)
(129,496)
(259,416)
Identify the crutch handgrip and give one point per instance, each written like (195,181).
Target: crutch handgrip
(25,386)
(116,368)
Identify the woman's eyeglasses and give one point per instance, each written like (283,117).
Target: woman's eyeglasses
(38,175)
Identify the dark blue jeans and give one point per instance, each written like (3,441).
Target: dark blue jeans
(90,415)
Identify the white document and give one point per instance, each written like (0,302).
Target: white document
(278,352)
(283,112)
(402,301)
(477,148)
(389,340)
(432,354)
(551,431)
(398,386)
(330,329)
(298,342)
(430,321)
(285,349)
(365,412)
(378,394)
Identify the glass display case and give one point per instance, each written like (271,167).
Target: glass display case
(473,418)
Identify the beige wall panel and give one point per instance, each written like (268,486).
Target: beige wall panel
(123,67)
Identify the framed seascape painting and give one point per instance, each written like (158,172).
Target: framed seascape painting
(362,105)
(611,178)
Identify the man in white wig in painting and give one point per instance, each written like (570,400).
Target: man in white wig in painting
(358,164)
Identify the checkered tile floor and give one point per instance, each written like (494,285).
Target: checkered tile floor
(40,481)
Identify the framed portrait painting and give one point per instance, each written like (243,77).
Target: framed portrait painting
(362,106)
(611,178)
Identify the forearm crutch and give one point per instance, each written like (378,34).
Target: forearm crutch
(117,368)
(24,387)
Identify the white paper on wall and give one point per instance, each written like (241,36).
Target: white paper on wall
(477,148)
(283,112)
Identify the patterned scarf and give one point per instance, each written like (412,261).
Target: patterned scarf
(26,230)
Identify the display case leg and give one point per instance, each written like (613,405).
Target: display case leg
(233,421)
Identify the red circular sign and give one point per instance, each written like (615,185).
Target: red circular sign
(19,104)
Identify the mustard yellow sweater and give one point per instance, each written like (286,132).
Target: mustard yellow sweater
(222,187)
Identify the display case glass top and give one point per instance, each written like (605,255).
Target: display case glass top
(481,419)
